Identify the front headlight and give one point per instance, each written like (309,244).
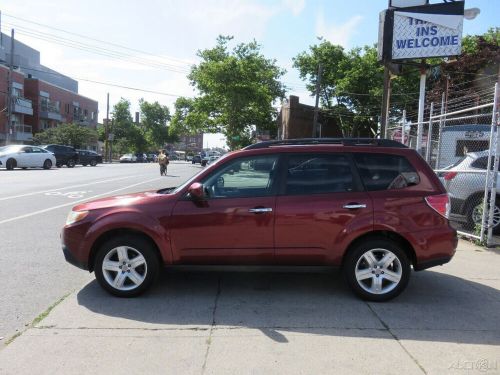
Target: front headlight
(75,216)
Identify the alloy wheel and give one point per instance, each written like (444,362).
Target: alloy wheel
(477,215)
(378,271)
(124,268)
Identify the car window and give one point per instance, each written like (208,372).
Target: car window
(243,177)
(27,150)
(482,163)
(37,150)
(318,173)
(385,172)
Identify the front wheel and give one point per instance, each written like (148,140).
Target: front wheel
(93,163)
(70,163)
(377,270)
(475,216)
(10,164)
(126,266)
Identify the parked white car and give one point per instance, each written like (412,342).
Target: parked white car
(128,158)
(23,156)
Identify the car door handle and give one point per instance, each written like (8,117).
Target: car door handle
(260,210)
(354,206)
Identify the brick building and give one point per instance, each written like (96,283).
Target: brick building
(295,120)
(41,97)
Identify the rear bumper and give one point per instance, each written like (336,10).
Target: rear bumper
(432,263)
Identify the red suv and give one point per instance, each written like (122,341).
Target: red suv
(373,207)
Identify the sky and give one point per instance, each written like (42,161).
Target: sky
(150,45)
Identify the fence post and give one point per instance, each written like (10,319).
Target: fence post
(428,154)
(403,121)
(441,124)
(493,192)
(488,185)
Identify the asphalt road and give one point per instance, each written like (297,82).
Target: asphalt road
(33,208)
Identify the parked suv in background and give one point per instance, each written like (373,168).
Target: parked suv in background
(465,181)
(373,207)
(64,155)
(87,157)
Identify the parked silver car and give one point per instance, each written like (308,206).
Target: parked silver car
(465,182)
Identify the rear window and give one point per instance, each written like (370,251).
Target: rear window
(385,172)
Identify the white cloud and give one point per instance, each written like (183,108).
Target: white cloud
(338,33)
(296,6)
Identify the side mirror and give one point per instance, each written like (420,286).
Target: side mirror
(196,191)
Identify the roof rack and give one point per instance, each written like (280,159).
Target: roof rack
(325,141)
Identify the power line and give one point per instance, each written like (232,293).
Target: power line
(97,40)
(104,83)
(99,50)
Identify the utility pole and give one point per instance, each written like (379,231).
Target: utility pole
(385,102)
(8,127)
(421,106)
(316,107)
(106,130)
(111,142)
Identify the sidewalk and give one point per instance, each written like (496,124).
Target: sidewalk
(447,322)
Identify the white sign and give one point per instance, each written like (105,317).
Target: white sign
(407,3)
(419,35)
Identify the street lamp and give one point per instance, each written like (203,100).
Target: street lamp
(470,14)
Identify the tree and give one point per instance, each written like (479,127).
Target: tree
(67,134)
(351,84)
(154,118)
(127,136)
(237,89)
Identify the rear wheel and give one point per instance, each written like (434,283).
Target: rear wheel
(11,164)
(93,163)
(377,270)
(47,164)
(70,163)
(126,266)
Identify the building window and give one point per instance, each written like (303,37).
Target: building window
(44,124)
(67,108)
(16,92)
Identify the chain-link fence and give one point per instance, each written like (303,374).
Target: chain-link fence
(459,140)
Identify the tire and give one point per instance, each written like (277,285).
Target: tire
(84,164)
(474,215)
(93,163)
(70,163)
(58,165)
(134,280)
(47,164)
(10,164)
(364,278)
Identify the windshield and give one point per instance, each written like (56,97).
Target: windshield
(12,148)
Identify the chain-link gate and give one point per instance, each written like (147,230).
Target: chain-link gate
(460,142)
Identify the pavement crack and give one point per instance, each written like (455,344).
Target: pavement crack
(388,329)
(212,327)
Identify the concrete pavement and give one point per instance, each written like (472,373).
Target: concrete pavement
(273,323)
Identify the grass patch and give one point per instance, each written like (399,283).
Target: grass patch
(37,320)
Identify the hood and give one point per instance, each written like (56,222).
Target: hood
(118,201)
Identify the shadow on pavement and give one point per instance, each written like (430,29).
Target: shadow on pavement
(435,306)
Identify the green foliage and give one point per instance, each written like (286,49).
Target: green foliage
(154,118)
(237,89)
(152,133)
(67,134)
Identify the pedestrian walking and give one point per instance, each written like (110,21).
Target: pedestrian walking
(163,162)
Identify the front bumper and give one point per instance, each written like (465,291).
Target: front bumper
(72,260)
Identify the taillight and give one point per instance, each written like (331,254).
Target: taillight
(439,203)
(448,176)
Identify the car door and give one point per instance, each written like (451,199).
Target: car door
(321,206)
(38,156)
(234,224)
(24,157)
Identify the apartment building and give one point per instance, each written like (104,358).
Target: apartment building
(41,97)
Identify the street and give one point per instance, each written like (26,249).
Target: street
(33,208)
